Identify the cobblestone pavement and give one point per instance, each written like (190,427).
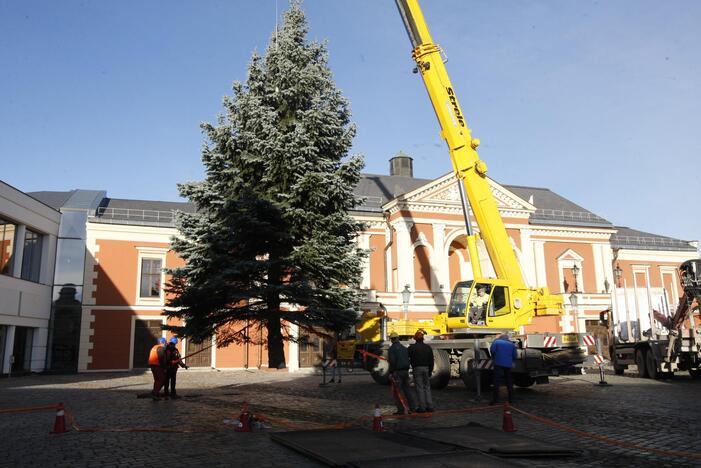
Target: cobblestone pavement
(655,414)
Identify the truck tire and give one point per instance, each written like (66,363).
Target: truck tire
(467,373)
(380,370)
(523,380)
(695,374)
(618,370)
(640,362)
(651,365)
(441,369)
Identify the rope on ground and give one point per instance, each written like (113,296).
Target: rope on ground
(607,440)
(29,409)
(74,424)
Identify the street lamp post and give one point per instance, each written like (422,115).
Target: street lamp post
(575,272)
(574,300)
(406,297)
(618,273)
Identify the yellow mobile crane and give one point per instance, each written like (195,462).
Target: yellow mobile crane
(482,308)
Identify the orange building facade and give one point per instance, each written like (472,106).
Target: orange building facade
(415,235)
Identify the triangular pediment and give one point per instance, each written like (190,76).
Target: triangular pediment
(444,191)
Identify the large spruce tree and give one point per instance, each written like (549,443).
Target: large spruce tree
(272,241)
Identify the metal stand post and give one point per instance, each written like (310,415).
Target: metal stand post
(602,380)
(323,370)
(477,371)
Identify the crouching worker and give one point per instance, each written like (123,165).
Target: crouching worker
(174,361)
(157,363)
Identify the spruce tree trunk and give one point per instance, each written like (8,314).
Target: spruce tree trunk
(276,350)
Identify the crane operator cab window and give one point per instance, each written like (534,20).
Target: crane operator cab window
(479,304)
(458,300)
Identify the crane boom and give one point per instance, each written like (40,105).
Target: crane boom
(468,167)
(522,303)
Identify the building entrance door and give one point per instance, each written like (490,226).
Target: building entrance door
(203,359)
(311,349)
(146,335)
(22,350)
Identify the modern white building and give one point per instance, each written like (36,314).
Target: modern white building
(28,236)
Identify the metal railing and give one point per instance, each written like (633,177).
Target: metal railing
(134,216)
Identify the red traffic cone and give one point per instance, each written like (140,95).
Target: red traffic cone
(244,424)
(377,424)
(507,422)
(60,422)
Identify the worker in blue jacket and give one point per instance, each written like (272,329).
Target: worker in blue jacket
(503,354)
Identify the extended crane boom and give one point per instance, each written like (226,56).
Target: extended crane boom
(471,171)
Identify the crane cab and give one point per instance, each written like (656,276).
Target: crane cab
(484,303)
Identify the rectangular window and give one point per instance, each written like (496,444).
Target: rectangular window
(31,258)
(150,277)
(7,245)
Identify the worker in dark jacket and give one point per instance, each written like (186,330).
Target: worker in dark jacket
(503,354)
(173,361)
(399,373)
(421,358)
(157,362)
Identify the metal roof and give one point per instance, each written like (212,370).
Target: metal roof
(627,238)
(555,209)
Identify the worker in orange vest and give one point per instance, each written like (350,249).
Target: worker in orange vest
(157,362)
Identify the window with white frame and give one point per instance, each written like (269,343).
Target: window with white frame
(151,272)
(150,275)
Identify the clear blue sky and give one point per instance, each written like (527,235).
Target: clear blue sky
(596,100)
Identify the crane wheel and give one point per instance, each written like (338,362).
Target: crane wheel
(380,370)
(467,373)
(441,369)
(640,362)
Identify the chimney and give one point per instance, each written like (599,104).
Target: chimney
(401,165)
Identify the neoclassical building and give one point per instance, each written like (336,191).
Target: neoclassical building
(415,234)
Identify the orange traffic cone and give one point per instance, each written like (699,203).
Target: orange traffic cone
(377,424)
(244,424)
(507,422)
(60,422)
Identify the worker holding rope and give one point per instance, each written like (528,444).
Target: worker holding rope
(399,375)
(173,361)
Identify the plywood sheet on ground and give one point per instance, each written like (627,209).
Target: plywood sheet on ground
(461,459)
(477,437)
(341,447)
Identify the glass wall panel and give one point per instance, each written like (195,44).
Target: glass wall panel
(70,260)
(73,224)
(66,327)
(7,245)
(31,257)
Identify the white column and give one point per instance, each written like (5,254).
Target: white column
(528,266)
(39,340)
(539,257)
(389,286)
(18,251)
(405,266)
(599,274)
(9,346)
(364,244)
(440,257)
(293,358)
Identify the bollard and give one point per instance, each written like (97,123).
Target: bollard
(377,424)
(602,380)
